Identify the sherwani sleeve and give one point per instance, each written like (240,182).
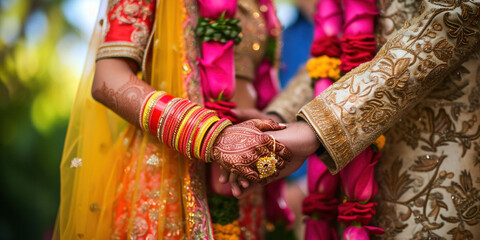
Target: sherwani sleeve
(354,111)
(129,24)
(298,92)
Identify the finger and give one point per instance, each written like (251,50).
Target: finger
(266,124)
(236,191)
(282,151)
(244,183)
(224,175)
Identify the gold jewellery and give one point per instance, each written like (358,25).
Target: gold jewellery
(266,166)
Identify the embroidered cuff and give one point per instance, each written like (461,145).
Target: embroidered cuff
(330,133)
(120,50)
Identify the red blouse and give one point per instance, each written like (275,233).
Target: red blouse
(129,24)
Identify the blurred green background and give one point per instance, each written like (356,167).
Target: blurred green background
(43,44)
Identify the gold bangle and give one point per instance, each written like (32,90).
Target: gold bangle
(148,108)
(201,134)
(182,125)
(142,109)
(164,114)
(215,134)
(190,138)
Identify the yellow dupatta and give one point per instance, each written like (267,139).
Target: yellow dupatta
(101,149)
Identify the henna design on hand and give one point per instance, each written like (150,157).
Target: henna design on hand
(239,147)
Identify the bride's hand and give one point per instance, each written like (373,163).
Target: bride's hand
(239,147)
(300,139)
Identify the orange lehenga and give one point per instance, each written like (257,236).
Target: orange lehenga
(116,181)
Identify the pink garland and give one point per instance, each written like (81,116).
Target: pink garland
(217,72)
(357,178)
(321,203)
(217,67)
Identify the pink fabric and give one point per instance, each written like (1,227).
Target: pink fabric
(328,19)
(217,70)
(319,230)
(266,83)
(213,9)
(359,17)
(277,209)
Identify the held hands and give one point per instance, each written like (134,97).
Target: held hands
(239,148)
(297,137)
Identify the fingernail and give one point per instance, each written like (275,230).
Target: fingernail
(282,124)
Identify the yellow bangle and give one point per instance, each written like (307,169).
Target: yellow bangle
(148,108)
(215,134)
(190,138)
(182,126)
(201,134)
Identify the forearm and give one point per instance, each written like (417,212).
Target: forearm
(116,86)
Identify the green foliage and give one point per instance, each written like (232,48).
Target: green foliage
(223,209)
(221,30)
(37,87)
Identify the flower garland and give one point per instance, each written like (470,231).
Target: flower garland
(218,31)
(332,58)
(324,68)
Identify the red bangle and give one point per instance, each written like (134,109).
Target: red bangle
(168,125)
(178,121)
(187,129)
(173,122)
(161,123)
(192,127)
(157,111)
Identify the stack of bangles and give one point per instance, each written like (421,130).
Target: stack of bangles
(181,124)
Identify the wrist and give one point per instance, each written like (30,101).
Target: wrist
(311,136)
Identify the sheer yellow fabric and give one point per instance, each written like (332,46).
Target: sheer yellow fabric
(107,163)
